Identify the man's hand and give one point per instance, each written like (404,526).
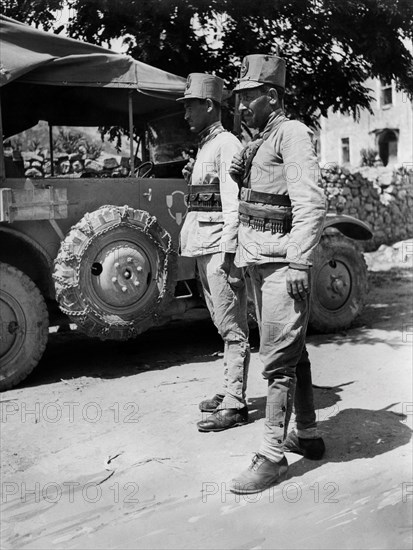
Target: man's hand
(227,262)
(298,284)
(236,170)
(188,169)
(234,274)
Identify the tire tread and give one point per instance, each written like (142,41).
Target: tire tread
(38,303)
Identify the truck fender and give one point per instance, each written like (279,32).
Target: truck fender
(22,251)
(349,226)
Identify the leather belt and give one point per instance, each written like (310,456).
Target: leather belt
(249,195)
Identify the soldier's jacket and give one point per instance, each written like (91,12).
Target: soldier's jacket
(209,232)
(285,164)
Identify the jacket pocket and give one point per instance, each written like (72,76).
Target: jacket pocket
(205,218)
(210,225)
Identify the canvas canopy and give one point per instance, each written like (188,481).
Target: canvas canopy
(44,76)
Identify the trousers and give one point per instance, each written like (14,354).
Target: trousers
(283,324)
(227,305)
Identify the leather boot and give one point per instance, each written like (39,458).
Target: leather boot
(260,475)
(209,405)
(313,449)
(223,419)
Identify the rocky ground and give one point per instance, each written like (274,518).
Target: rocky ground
(100,447)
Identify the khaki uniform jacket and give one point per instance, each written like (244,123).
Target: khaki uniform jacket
(209,232)
(285,164)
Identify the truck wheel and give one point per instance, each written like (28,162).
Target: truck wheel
(115,272)
(339,284)
(24,326)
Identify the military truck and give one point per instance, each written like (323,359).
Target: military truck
(106,249)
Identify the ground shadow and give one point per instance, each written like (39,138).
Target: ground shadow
(256,408)
(357,433)
(349,434)
(325,400)
(73,355)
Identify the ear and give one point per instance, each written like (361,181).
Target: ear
(273,95)
(210,105)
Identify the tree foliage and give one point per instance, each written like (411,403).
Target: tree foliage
(69,141)
(331,46)
(39,13)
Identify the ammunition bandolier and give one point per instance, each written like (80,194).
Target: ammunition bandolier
(204,198)
(261,210)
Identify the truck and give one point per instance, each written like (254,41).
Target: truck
(103,252)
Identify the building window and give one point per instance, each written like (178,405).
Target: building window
(386,93)
(345,150)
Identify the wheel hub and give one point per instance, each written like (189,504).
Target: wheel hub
(333,285)
(12,324)
(122,274)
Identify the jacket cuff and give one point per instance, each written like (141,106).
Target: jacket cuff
(300,267)
(228,245)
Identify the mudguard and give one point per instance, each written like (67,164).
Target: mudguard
(349,226)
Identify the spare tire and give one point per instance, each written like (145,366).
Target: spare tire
(115,272)
(339,284)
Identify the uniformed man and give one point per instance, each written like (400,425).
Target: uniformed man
(209,234)
(281,212)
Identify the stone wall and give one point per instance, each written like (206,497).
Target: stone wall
(381,198)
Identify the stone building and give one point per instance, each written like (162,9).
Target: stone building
(388,131)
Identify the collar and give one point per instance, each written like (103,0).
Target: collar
(210,132)
(273,121)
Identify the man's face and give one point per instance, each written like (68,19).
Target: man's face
(254,106)
(196,114)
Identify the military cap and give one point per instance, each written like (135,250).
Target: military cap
(203,86)
(259,69)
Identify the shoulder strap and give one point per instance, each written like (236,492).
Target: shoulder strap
(252,149)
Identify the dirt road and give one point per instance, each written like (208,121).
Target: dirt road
(100,447)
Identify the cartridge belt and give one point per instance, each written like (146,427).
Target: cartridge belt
(262,220)
(249,195)
(204,198)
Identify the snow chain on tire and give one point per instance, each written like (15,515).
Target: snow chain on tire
(115,272)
